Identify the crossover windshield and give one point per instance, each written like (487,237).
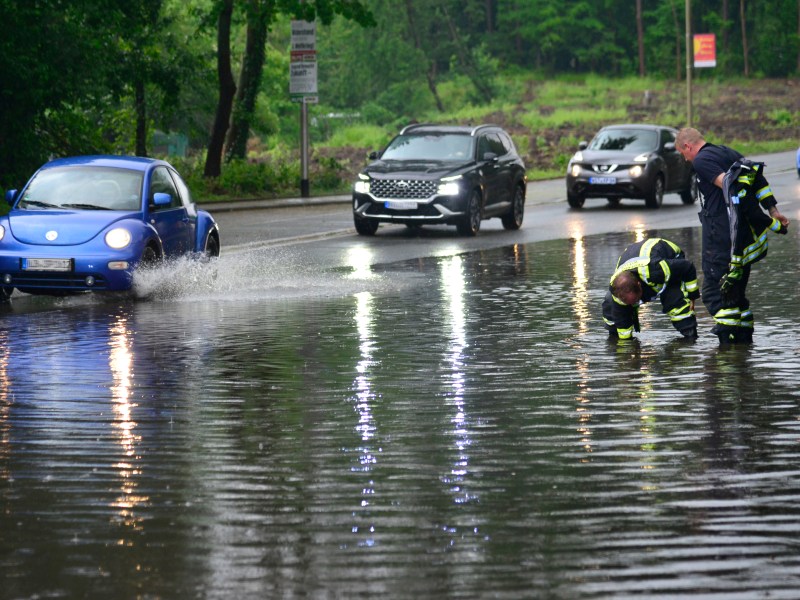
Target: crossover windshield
(84,188)
(444,147)
(625,140)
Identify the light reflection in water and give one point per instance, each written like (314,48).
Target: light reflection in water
(453,290)
(121,364)
(364,399)
(359,258)
(5,406)
(582,310)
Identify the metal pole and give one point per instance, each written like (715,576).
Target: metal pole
(689,58)
(304,187)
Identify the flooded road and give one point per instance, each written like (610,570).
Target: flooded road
(449,426)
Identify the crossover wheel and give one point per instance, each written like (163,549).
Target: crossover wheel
(513,219)
(365,226)
(575,200)
(656,195)
(470,223)
(690,196)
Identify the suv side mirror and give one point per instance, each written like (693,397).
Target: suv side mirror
(583,145)
(11,195)
(373,155)
(489,156)
(669,146)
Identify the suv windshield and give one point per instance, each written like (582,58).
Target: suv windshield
(433,146)
(87,188)
(628,140)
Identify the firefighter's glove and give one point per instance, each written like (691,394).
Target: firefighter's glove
(730,279)
(779,227)
(636,327)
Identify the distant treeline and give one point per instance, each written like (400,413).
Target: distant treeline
(89,76)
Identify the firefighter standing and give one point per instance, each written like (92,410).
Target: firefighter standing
(653,268)
(734,230)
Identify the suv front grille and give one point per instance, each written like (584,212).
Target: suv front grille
(411,189)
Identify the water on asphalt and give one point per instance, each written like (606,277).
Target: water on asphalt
(450,427)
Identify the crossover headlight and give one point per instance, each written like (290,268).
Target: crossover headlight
(636,171)
(118,238)
(2,232)
(575,170)
(362,185)
(449,186)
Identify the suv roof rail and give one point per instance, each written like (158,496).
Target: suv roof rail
(414,126)
(473,129)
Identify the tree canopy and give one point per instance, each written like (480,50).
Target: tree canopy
(89,76)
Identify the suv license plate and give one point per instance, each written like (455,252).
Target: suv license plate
(400,204)
(603,180)
(47,264)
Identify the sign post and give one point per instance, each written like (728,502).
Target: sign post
(303,85)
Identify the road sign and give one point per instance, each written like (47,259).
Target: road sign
(705,50)
(303,62)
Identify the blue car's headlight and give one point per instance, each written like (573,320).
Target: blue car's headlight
(118,238)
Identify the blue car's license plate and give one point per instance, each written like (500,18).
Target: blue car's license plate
(46,264)
(603,180)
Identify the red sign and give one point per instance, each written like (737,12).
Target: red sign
(705,50)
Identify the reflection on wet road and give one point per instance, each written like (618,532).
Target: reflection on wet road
(456,426)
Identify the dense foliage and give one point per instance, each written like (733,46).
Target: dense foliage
(89,76)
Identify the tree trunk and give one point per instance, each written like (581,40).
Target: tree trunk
(227,90)
(678,32)
(141,117)
(725,12)
(259,13)
(466,59)
(744,39)
(640,36)
(430,69)
(489,16)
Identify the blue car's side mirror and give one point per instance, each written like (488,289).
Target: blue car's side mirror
(11,195)
(161,199)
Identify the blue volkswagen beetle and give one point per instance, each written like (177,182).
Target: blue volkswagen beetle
(86,223)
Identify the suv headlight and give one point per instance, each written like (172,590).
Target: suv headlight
(575,170)
(636,171)
(362,185)
(449,186)
(118,238)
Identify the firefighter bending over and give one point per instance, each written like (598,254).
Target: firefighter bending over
(653,268)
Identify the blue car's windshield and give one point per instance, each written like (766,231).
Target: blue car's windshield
(443,146)
(84,188)
(625,140)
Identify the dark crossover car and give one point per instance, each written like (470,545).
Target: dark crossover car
(442,174)
(86,223)
(630,161)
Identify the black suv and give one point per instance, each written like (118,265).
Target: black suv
(442,174)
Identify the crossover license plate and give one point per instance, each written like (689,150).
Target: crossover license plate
(603,180)
(400,204)
(47,264)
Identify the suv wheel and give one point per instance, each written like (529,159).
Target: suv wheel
(656,195)
(690,196)
(470,223)
(513,219)
(575,200)
(365,226)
